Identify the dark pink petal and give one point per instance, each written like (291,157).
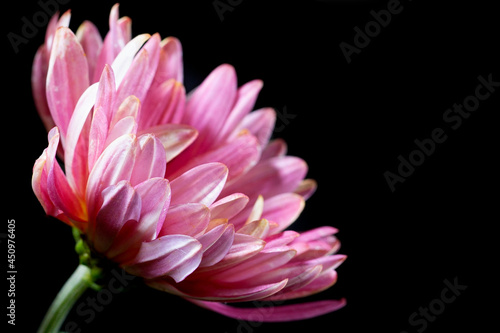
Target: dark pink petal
(67,77)
(276,147)
(201,184)
(275,313)
(283,238)
(228,206)
(176,256)
(216,244)
(174,138)
(210,103)
(328,262)
(38,82)
(283,209)
(189,219)
(121,203)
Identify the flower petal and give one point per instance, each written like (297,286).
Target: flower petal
(189,219)
(201,184)
(176,256)
(283,209)
(216,244)
(174,138)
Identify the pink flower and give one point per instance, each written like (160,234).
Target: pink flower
(185,191)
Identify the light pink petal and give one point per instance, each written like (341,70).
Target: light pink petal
(176,256)
(76,150)
(209,105)
(150,159)
(260,123)
(269,178)
(89,37)
(164,104)
(39,179)
(58,188)
(174,138)
(306,188)
(121,203)
(283,209)
(115,164)
(189,219)
(322,282)
(315,234)
(245,100)
(54,23)
(261,263)
(124,120)
(201,184)
(283,238)
(118,36)
(155,197)
(327,262)
(216,244)
(102,115)
(228,206)
(124,59)
(275,313)
(315,249)
(258,228)
(238,155)
(67,77)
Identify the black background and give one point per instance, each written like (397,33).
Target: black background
(351,123)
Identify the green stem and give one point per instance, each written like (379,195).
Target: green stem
(76,285)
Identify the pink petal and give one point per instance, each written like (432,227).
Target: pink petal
(174,138)
(201,184)
(283,238)
(149,161)
(115,164)
(260,123)
(102,115)
(38,82)
(170,63)
(121,203)
(238,155)
(124,120)
(176,256)
(89,37)
(210,103)
(258,228)
(189,219)
(67,77)
(216,244)
(164,104)
(316,234)
(276,147)
(228,206)
(306,188)
(275,313)
(76,150)
(283,209)
(245,100)
(124,59)
(155,197)
(322,282)
(259,264)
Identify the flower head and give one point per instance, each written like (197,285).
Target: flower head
(187,192)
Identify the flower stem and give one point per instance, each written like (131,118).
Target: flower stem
(76,285)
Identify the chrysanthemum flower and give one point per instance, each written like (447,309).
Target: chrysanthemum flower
(187,192)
